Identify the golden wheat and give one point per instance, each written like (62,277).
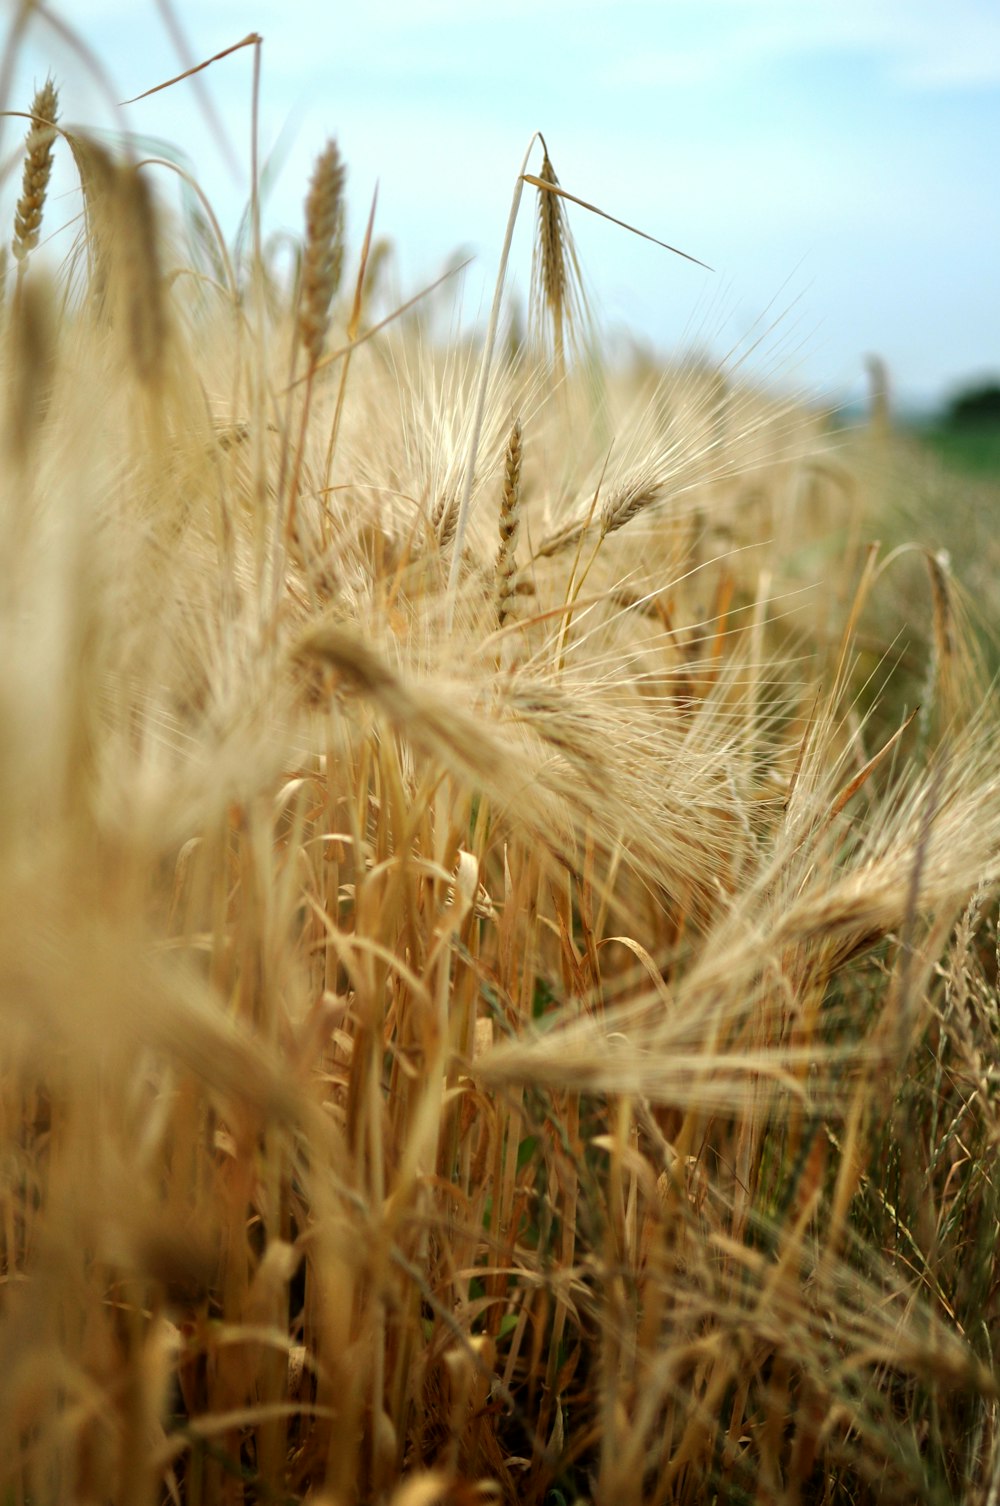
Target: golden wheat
(557,285)
(510,526)
(323,255)
(436,1073)
(37,170)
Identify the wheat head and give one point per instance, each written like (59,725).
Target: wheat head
(324,252)
(37,170)
(510,525)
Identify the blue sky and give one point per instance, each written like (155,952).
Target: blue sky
(833,160)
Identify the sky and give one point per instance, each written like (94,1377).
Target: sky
(833,161)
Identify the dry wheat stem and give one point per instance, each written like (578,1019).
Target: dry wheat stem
(353,330)
(206,204)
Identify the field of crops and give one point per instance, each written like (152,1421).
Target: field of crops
(500,853)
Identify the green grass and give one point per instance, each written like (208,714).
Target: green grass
(971,449)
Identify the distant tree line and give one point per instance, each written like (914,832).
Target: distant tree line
(975,406)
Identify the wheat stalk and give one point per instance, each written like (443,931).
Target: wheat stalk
(37,171)
(510,526)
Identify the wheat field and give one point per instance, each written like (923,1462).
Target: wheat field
(500,851)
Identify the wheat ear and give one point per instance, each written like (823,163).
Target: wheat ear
(552,249)
(628,501)
(322,265)
(510,526)
(37,171)
(324,252)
